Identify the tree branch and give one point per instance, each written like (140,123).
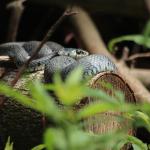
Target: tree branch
(143,75)
(91,41)
(16,9)
(138,55)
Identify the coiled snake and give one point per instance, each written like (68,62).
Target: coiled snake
(54,57)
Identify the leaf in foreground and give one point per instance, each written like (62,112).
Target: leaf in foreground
(70,91)
(9,145)
(39,147)
(55,139)
(138,39)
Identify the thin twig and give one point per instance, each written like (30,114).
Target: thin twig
(125,53)
(16,9)
(139,55)
(47,36)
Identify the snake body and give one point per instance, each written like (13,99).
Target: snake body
(54,57)
(91,65)
(17,51)
(58,63)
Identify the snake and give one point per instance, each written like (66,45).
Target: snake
(54,57)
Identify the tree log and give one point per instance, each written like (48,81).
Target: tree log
(107,122)
(23,125)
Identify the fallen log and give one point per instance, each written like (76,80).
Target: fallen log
(25,126)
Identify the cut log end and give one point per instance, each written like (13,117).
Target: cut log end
(108,121)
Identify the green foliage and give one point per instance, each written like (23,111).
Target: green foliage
(39,147)
(142,119)
(137,144)
(9,145)
(140,39)
(72,90)
(68,134)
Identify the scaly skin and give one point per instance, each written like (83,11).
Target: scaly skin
(21,52)
(91,65)
(56,58)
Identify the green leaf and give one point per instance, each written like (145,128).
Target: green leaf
(111,140)
(137,144)
(96,107)
(119,96)
(69,92)
(145,107)
(55,139)
(39,147)
(138,39)
(106,85)
(141,39)
(142,119)
(146,31)
(99,94)
(75,77)
(43,102)
(49,87)
(79,140)
(16,94)
(9,145)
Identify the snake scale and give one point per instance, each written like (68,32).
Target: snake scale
(54,57)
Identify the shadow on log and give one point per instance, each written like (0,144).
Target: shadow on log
(23,125)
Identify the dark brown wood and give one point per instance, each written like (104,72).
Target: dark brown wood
(2,72)
(23,125)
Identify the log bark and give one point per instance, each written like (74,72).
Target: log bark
(24,126)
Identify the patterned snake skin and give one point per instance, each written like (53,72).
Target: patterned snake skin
(54,57)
